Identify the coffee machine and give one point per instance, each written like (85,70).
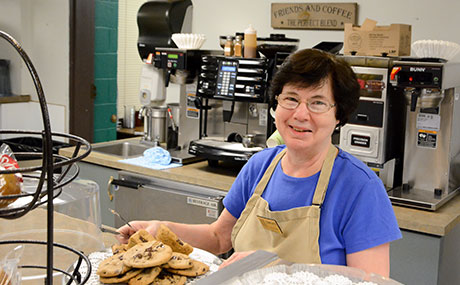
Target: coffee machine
(181,67)
(375,133)
(431,173)
(234,108)
(165,64)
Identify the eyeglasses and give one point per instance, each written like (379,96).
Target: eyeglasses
(315,105)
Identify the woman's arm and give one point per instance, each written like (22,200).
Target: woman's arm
(215,237)
(375,260)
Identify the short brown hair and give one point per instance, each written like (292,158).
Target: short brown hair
(310,68)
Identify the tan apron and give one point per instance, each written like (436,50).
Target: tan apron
(292,234)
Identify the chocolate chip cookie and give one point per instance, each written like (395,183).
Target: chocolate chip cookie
(198,268)
(140,236)
(147,254)
(165,235)
(112,266)
(121,278)
(119,248)
(166,278)
(178,261)
(146,276)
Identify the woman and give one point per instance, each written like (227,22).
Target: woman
(306,200)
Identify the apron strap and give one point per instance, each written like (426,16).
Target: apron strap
(268,174)
(323,181)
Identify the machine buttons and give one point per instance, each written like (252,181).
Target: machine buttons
(226,78)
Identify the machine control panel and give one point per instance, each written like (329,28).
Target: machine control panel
(226,78)
(231,78)
(170,60)
(417,75)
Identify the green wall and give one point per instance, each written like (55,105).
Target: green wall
(105,69)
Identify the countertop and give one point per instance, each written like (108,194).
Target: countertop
(137,131)
(14,99)
(437,223)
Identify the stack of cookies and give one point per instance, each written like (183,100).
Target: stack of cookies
(163,259)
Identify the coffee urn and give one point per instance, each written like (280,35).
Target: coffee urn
(431,172)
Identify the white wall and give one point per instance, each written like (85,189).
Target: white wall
(42,29)
(437,20)
(430,20)
(10,22)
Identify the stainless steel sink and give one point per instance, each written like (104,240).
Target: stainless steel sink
(122,149)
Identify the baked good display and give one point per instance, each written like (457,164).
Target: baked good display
(4,278)
(10,184)
(169,238)
(151,261)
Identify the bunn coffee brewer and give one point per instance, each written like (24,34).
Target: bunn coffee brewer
(431,173)
(181,67)
(375,132)
(165,64)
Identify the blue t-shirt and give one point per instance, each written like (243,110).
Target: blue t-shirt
(356,214)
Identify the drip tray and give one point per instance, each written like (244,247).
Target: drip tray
(221,150)
(419,198)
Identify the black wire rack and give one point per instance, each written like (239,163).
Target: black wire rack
(54,172)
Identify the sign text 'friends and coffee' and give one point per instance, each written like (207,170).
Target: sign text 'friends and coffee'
(314,16)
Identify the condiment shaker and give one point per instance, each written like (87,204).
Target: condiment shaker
(228,48)
(250,42)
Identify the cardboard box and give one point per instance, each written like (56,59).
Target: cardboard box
(370,39)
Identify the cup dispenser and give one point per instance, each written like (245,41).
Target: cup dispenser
(373,133)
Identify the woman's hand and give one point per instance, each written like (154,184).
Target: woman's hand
(235,256)
(126,231)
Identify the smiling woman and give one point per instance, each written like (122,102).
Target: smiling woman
(304,131)
(307,201)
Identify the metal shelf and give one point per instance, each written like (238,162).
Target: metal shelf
(49,183)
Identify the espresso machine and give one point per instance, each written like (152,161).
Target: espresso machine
(234,108)
(431,173)
(375,133)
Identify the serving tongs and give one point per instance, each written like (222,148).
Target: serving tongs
(108,230)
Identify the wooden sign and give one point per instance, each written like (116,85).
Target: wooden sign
(313,16)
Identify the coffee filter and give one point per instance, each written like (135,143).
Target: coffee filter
(435,49)
(310,274)
(189,41)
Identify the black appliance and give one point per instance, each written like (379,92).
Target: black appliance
(158,20)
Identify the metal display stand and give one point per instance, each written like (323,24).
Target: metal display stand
(49,183)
